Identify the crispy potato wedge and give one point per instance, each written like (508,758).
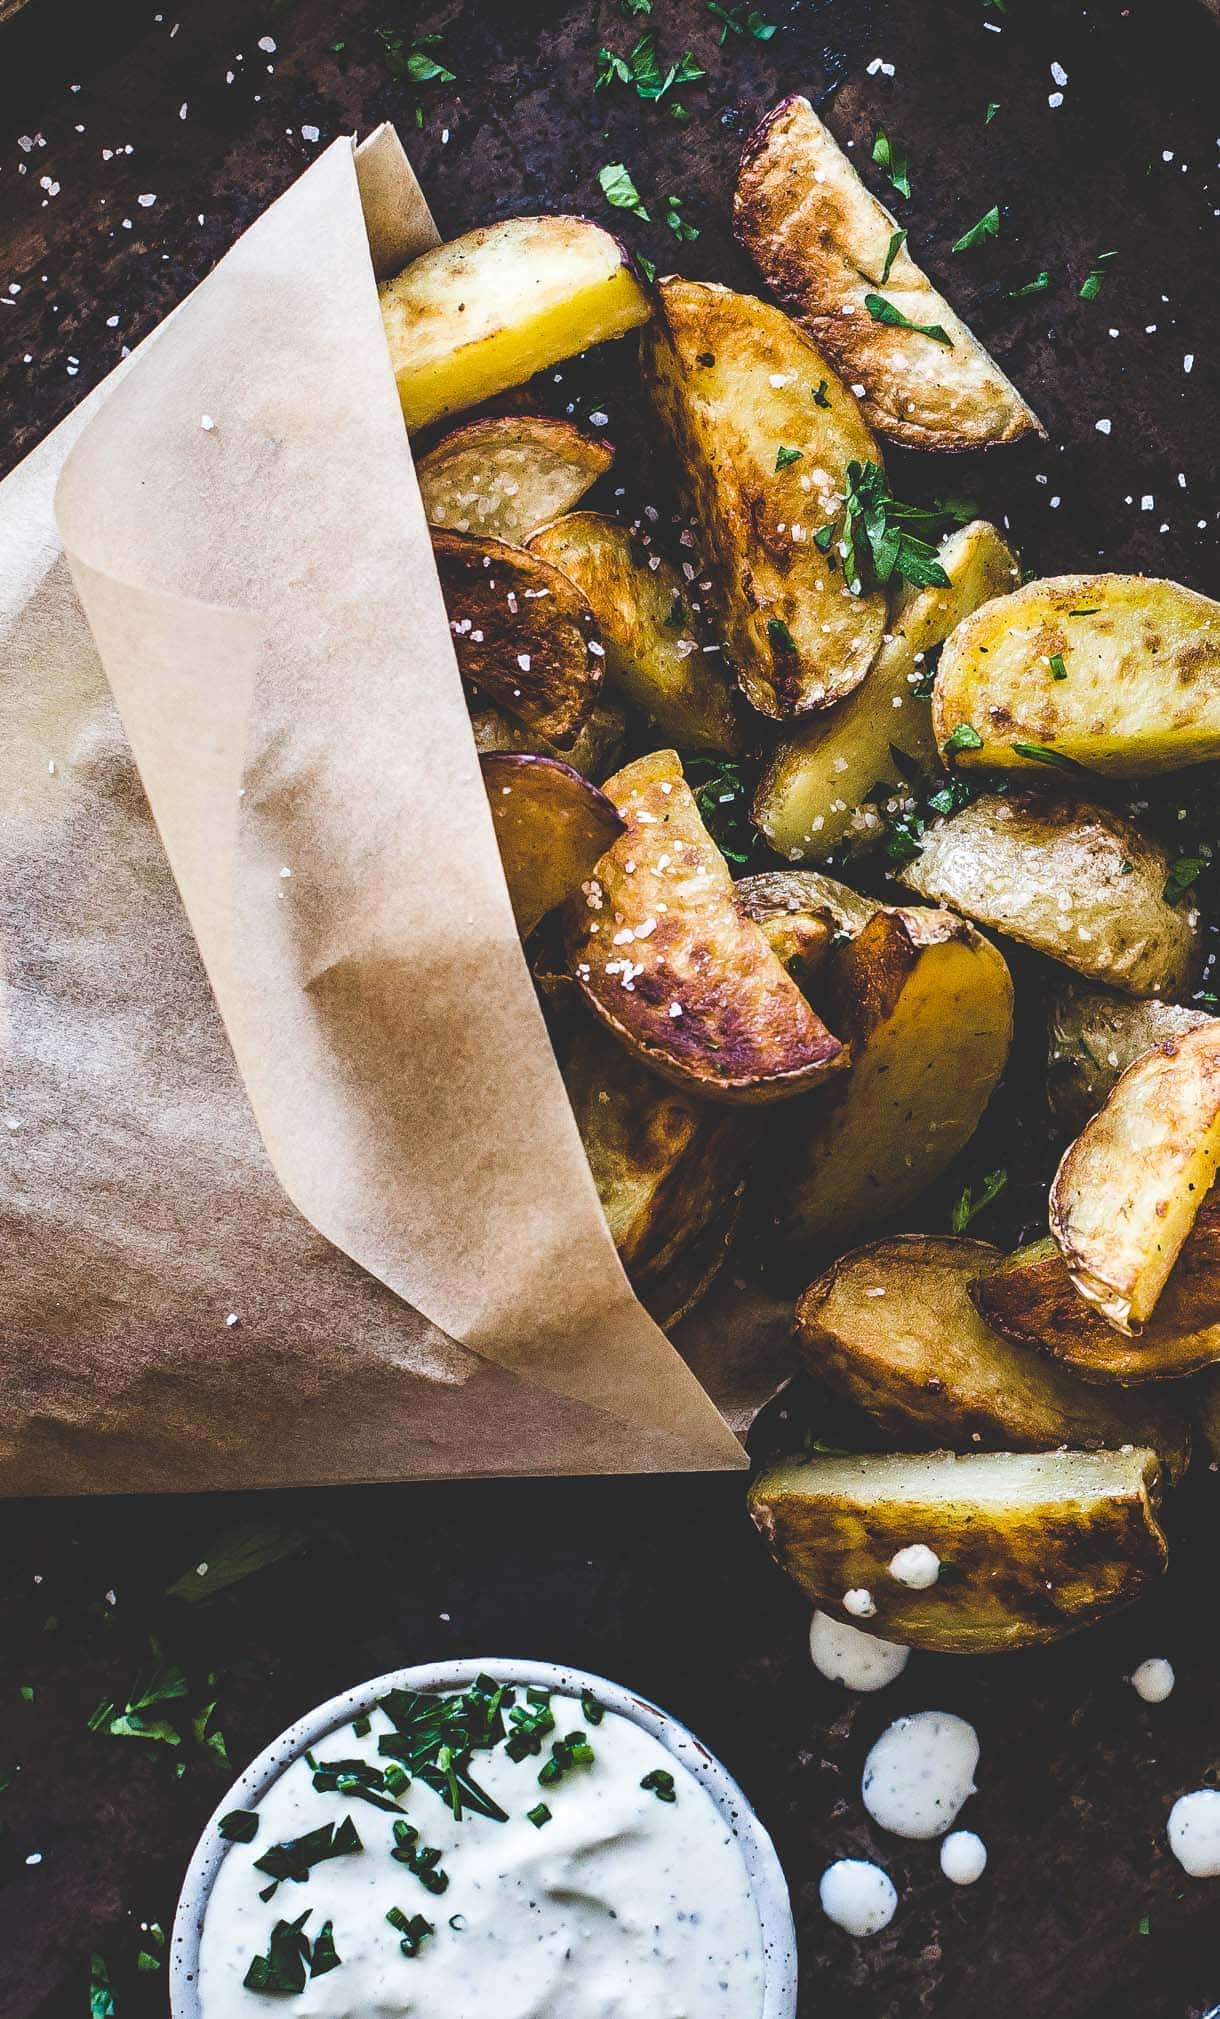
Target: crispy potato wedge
(1120,673)
(652,641)
(1031,1547)
(1093,1035)
(503,477)
(594,751)
(671,1293)
(892,1327)
(1030,1297)
(812,796)
(522,633)
(1075,881)
(551,826)
(733,382)
(667,961)
(804,894)
(801,939)
(822,243)
(488,310)
(898,988)
(1129,1189)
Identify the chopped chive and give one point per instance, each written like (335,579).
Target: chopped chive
(1058,670)
(819,393)
(591,1710)
(1091,287)
(1039,754)
(538,1815)
(779,636)
(964,737)
(661,1784)
(362,1727)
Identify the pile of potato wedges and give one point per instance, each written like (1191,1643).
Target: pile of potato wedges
(937,751)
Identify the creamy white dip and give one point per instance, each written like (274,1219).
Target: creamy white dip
(860,1661)
(620,1903)
(1194,1833)
(963,1857)
(1153,1680)
(920,1772)
(858,1896)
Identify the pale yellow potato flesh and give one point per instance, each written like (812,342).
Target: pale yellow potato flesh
(733,382)
(1093,1035)
(1128,1190)
(552,827)
(926,1004)
(812,796)
(1032,1546)
(1120,673)
(504,477)
(821,241)
(893,1328)
(485,312)
(1074,881)
(798,893)
(654,647)
(595,751)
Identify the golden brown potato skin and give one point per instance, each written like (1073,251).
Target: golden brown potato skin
(892,1327)
(820,241)
(521,632)
(805,893)
(552,826)
(1138,686)
(1030,1297)
(1093,1035)
(671,1293)
(502,477)
(732,381)
(594,751)
(906,985)
(1072,880)
(657,927)
(1060,1539)
(1128,1190)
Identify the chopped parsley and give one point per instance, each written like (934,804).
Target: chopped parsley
(143,1714)
(620,191)
(413,64)
(641,69)
(880,539)
(434,1738)
(991,111)
(779,636)
(885,311)
(325,1956)
(683,231)
(784,458)
(1058,670)
(661,1784)
(968,1207)
(1185,873)
(648,267)
(738,22)
(987,227)
(631,7)
(1038,285)
(897,241)
(819,394)
(296,1858)
(282,1971)
(101,1994)
(354,1778)
(722,796)
(964,737)
(894,160)
(1091,287)
(240,1826)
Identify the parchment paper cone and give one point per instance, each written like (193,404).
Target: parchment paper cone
(263,600)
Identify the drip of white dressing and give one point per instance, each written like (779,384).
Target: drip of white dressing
(1153,1679)
(1194,1833)
(619,1903)
(859,1603)
(860,1661)
(857,1896)
(963,1857)
(916,1566)
(920,1772)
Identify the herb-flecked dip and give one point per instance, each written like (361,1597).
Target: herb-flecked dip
(495,1851)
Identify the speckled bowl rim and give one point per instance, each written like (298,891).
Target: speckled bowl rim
(763,1869)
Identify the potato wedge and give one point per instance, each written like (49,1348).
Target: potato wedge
(674,969)
(801,939)
(522,633)
(1032,1547)
(485,312)
(1129,1189)
(1120,673)
(670,1293)
(822,243)
(503,477)
(1093,1035)
(892,1327)
(1030,1297)
(804,894)
(551,826)
(653,645)
(594,751)
(1075,881)
(909,984)
(812,796)
(733,383)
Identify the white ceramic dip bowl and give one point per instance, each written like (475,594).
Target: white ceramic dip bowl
(763,1872)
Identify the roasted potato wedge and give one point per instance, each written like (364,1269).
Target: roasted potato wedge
(667,961)
(594,751)
(1030,1297)
(892,1327)
(733,382)
(551,826)
(1031,1547)
(1075,881)
(1120,673)
(1129,1189)
(804,894)
(1093,1035)
(823,243)
(503,477)
(801,939)
(671,1293)
(812,796)
(653,644)
(909,982)
(522,633)
(468,319)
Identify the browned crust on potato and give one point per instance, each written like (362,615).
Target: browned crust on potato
(551,826)
(656,931)
(522,633)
